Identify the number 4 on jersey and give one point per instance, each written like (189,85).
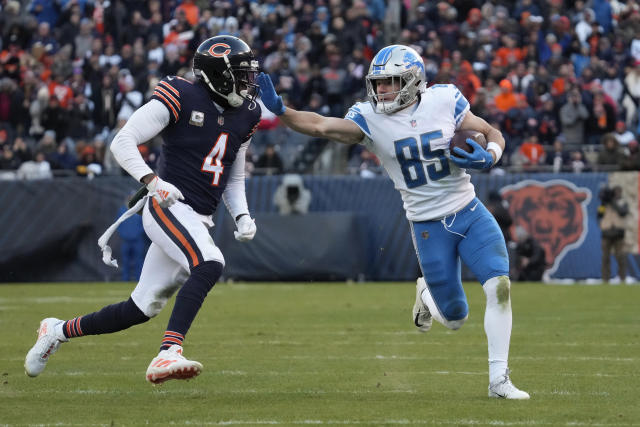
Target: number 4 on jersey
(213,162)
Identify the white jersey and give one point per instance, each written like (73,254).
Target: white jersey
(413,146)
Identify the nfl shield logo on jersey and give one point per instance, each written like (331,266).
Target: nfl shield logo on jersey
(413,123)
(197,118)
(221,120)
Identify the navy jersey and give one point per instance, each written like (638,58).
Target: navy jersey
(200,143)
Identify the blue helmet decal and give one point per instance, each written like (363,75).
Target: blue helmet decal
(383,56)
(410,61)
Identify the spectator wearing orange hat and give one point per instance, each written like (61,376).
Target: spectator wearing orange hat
(89,164)
(506,99)
(474,23)
(467,81)
(191,11)
(520,120)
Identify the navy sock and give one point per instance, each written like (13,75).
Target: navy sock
(189,300)
(112,318)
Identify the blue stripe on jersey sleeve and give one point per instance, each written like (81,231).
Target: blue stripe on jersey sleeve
(461,104)
(355,116)
(461,116)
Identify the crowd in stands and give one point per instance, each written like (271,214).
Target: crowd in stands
(560,78)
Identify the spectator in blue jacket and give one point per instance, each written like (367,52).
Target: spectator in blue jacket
(133,247)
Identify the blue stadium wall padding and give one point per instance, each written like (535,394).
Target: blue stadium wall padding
(49,229)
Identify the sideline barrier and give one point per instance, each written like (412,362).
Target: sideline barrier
(49,229)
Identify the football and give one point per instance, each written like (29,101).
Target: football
(459,139)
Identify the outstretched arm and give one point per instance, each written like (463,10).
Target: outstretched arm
(306,122)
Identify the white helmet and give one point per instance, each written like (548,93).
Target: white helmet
(401,63)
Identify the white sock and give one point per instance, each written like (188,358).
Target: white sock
(497,324)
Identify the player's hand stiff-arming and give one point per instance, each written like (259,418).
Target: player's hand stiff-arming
(246,228)
(478,159)
(164,192)
(268,94)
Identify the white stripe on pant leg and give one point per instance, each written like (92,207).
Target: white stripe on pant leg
(428,300)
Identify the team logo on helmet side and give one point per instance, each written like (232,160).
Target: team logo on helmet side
(225,52)
(411,61)
(552,212)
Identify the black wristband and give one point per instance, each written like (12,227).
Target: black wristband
(241,215)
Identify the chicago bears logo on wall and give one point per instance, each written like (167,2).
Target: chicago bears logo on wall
(553,212)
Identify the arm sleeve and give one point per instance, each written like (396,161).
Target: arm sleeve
(234,196)
(145,123)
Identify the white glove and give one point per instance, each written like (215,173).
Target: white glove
(164,192)
(246,228)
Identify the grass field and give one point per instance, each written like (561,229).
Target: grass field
(291,354)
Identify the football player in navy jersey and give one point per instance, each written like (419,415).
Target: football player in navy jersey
(207,126)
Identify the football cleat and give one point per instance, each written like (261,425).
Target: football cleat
(420,314)
(503,388)
(46,344)
(170,364)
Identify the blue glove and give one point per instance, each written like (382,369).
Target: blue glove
(270,98)
(478,159)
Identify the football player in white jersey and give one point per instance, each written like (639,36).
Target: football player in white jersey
(409,126)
